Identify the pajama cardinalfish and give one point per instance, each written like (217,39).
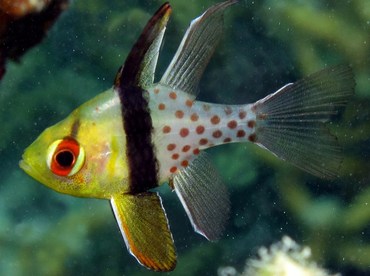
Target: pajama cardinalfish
(140,134)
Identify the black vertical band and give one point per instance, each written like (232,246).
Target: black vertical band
(137,123)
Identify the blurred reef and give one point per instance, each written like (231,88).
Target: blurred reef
(266,44)
(23,24)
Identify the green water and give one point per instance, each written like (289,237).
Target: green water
(265,45)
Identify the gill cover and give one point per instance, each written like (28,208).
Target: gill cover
(65,157)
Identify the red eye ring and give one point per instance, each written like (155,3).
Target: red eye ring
(65,154)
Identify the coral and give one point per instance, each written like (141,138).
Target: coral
(23,24)
(284,258)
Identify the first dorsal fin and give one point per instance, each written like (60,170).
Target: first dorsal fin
(196,49)
(138,69)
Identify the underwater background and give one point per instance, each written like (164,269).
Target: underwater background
(266,44)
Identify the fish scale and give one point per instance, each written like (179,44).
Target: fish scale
(183,127)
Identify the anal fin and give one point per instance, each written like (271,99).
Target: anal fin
(144,226)
(204,197)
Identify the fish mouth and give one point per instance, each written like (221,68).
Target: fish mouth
(30,170)
(24,166)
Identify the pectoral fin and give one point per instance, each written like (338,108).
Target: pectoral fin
(144,226)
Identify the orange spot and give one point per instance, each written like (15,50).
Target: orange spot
(186,148)
(184,132)
(173,95)
(242,114)
(217,134)
(161,106)
(252,137)
(156,91)
(215,120)
(199,129)
(227,140)
(175,156)
(232,124)
(173,169)
(185,163)
(179,114)
(194,117)
(171,147)
(203,141)
(166,129)
(251,124)
(196,151)
(189,103)
(240,133)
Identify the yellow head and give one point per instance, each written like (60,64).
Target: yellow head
(82,155)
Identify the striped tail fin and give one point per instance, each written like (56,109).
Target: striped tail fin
(291,122)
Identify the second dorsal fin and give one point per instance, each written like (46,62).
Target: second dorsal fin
(196,49)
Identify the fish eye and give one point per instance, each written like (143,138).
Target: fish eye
(65,157)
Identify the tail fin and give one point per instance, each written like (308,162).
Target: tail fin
(290,122)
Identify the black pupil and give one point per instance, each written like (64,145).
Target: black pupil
(65,158)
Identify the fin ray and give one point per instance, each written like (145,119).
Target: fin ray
(144,227)
(196,49)
(204,197)
(290,122)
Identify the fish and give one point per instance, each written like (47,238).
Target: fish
(140,134)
